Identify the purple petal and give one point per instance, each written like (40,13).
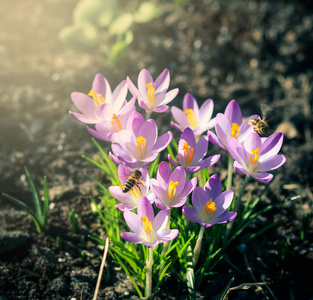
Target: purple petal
(84,103)
(200,149)
(163,174)
(145,209)
(162,82)
(144,78)
(263,177)
(272,163)
(99,135)
(236,150)
(223,201)
(187,136)
(191,214)
(252,141)
(160,221)
(190,102)
(222,128)
(133,89)
(189,186)
(101,86)
(133,221)
(206,110)
(84,118)
(233,113)
(149,131)
(119,95)
(215,140)
(131,237)
(168,235)
(213,187)
(178,175)
(169,96)
(171,161)
(226,217)
(272,144)
(240,168)
(163,141)
(161,109)
(209,161)
(179,116)
(199,199)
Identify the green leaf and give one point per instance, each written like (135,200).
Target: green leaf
(119,47)
(36,198)
(96,12)
(121,24)
(223,294)
(47,201)
(26,209)
(148,11)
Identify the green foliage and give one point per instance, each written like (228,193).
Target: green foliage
(40,215)
(74,221)
(103,25)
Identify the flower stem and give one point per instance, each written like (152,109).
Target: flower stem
(197,250)
(243,187)
(230,172)
(148,114)
(149,263)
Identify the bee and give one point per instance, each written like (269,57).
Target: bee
(260,125)
(133,180)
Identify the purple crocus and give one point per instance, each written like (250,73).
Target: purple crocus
(257,155)
(170,187)
(230,124)
(131,199)
(191,154)
(152,95)
(210,204)
(147,228)
(92,105)
(199,120)
(138,144)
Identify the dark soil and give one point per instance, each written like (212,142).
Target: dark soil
(252,51)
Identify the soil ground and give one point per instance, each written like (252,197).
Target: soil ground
(252,51)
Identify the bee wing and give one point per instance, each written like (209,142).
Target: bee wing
(267,112)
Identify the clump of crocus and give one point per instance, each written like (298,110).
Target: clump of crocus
(138,144)
(190,154)
(152,95)
(131,199)
(230,124)
(199,120)
(170,187)
(257,155)
(209,208)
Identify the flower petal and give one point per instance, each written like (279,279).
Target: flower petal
(233,113)
(272,163)
(162,82)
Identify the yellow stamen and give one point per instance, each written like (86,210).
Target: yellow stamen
(254,156)
(121,186)
(118,123)
(234,130)
(172,189)
(210,207)
(135,191)
(147,226)
(188,154)
(192,118)
(97,98)
(141,143)
(151,91)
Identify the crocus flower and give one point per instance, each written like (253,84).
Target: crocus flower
(147,228)
(199,120)
(138,144)
(210,204)
(230,124)
(131,199)
(93,108)
(257,155)
(152,95)
(170,187)
(113,120)
(191,154)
